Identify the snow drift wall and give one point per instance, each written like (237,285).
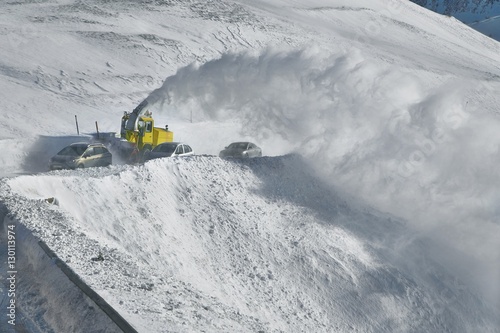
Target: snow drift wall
(202,243)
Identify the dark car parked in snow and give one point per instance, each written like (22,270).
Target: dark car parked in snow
(81,155)
(241,150)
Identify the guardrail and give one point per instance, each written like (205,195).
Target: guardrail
(96,298)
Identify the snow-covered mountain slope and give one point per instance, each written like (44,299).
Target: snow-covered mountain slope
(390,104)
(99,58)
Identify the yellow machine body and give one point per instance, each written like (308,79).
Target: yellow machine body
(146,136)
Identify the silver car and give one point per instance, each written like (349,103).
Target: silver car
(169,149)
(241,150)
(81,155)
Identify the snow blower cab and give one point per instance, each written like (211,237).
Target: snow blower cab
(137,128)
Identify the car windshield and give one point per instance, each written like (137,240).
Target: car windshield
(75,150)
(238,145)
(169,149)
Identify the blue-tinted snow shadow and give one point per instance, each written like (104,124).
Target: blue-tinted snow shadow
(44,147)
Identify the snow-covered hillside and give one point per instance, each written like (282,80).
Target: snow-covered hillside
(384,217)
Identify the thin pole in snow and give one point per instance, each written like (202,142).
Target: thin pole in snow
(77,129)
(97,128)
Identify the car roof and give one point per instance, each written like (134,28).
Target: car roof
(171,143)
(86,144)
(241,143)
(80,144)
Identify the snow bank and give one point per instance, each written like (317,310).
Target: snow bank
(202,243)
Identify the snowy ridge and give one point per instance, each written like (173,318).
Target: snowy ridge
(257,245)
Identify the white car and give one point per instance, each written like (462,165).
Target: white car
(169,149)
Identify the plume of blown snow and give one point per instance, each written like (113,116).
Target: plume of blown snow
(412,148)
